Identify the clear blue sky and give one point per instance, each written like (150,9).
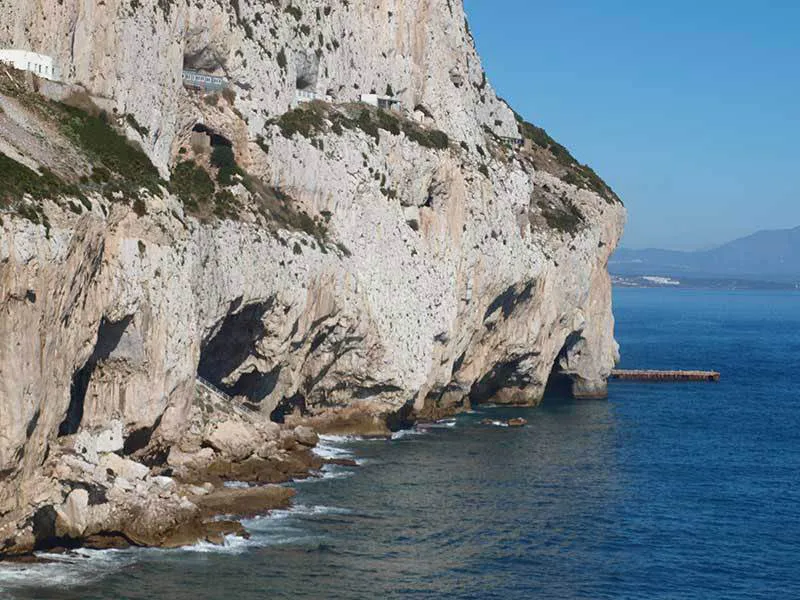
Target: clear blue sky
(689,110)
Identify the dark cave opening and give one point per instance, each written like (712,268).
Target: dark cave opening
(503,375)
(287,406)
(216,138)
(559,384)
(109,333)
(234,340)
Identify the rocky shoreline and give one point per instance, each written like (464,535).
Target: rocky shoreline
(94,493)
(180,267)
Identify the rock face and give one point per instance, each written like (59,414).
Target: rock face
(450,272)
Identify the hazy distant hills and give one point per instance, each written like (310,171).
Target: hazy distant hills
(763,256)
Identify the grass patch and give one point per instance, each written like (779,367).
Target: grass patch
(574,173)
(309,120)
(127,167)
(192,185)
(16,180)
(566,218)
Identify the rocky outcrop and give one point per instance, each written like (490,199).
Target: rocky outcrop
(360,268)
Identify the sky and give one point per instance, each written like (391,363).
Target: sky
(689,110)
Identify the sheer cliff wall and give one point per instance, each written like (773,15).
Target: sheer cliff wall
(449,271)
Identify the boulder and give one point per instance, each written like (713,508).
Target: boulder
(233,439)
(269,430)
(194,461)
(287,440)
(165,483)
(73,515)
(91,444)
(306,436)
(245,502)
(124,467)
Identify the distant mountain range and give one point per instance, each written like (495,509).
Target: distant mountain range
(769,256)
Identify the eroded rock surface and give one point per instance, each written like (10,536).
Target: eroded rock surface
(413,263)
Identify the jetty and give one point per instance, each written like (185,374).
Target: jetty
(649,375)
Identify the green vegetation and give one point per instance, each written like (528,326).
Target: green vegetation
(567,218)
(309,120)
(125,167)
(16,180)
(582,176)
(305,121)
(427,138)
(223,159)
(191,184)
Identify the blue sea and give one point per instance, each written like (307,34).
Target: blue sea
(666,490)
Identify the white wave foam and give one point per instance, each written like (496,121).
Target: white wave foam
(330,451)
(327,472)
(237,485)
(233,544)
(441,424)
(398,435)
(341,439)
(64,570)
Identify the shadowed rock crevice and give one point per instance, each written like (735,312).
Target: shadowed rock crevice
(109,335)
(505,377)
(561,383)
(287,406)
(232,342)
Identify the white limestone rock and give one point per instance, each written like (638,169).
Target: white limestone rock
(232,439)
(124,467)
(72,516)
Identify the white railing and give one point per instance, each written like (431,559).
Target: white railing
(512,140)
(202,81)
(306,96)
(210,387)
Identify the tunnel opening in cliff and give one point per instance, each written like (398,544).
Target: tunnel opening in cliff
(109,334)
(559,383)
(508,376)
(233,341)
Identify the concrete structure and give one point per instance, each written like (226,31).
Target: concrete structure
(643,375)
(301,96)
(201,81)
(38,64)
(383,102)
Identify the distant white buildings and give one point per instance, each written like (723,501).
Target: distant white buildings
(383,102)
(301,96)
(38,64)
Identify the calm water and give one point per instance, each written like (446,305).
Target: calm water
(665,491)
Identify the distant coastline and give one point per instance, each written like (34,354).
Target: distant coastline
(703,283)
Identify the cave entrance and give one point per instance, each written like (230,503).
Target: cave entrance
(508,375)
(234,340)
(287,406)
(559,383)
(109,333)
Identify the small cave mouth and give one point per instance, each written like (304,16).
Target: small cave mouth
(217,139)
(109,333)
(559,383)
(503,375)
(287,406)
(205,58)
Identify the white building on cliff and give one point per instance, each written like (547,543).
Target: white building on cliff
(38,64)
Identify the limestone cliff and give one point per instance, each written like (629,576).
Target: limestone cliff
(353,262)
